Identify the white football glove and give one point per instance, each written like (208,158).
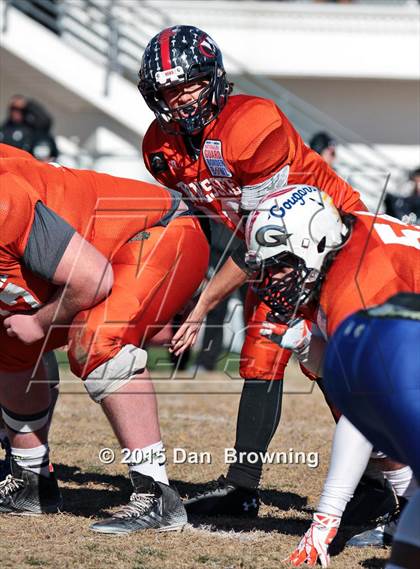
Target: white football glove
(316,540)
(296,337)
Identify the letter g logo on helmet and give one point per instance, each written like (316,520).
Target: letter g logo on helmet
(272,236)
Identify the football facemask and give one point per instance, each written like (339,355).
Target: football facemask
(285,283)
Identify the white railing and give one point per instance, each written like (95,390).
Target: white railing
(115,33)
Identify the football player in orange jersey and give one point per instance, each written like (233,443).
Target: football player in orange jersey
(312,262)
(47,251)
(224,153)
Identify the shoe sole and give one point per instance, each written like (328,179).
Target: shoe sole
(29,514)
(56,510)
(33,514)
(378,540)
(173,527)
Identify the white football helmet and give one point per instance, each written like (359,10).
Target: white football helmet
(294,228)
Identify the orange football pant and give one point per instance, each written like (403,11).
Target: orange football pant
(154,278)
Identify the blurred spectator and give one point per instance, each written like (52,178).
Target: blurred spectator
(324,144)
(43,143)
(28,126)
(14,130)
(221,248)
(406,207)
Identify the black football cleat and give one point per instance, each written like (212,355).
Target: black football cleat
(26,493)
(224,499)
(153,505)
(5,464)
(373,504)
(380,536)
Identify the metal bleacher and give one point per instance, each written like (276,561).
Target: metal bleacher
(115,33)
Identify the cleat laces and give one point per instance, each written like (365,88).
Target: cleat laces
(10,485)
(140,504)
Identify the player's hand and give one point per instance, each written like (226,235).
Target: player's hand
(187,334)
(314,544)
(274,331)
(25,327)
(295,337)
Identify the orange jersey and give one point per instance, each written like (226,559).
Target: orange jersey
(381,258)
(106,210)
(250,141)
(7,151)
(20,289)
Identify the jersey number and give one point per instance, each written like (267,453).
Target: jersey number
(408,237)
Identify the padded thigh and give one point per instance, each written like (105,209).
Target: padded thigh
(372,373)
(155,276)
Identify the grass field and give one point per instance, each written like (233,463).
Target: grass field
(198,415)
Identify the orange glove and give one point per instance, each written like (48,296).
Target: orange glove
(296,336)
(316,540)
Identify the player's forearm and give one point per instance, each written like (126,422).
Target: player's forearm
(85,278)
(227,280)
(71,299)
(316,354)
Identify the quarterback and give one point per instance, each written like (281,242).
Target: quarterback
(100,263)
(224,153)
(316,264)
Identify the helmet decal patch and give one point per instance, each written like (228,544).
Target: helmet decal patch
(170,76)
(212,152)
(296,197)
(272,236)
(207,46)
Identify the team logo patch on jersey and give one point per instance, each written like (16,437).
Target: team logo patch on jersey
(212,152)
(158,163)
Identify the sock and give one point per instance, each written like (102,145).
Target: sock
(34,459)
(151,462)
(258,418)
(403,481)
